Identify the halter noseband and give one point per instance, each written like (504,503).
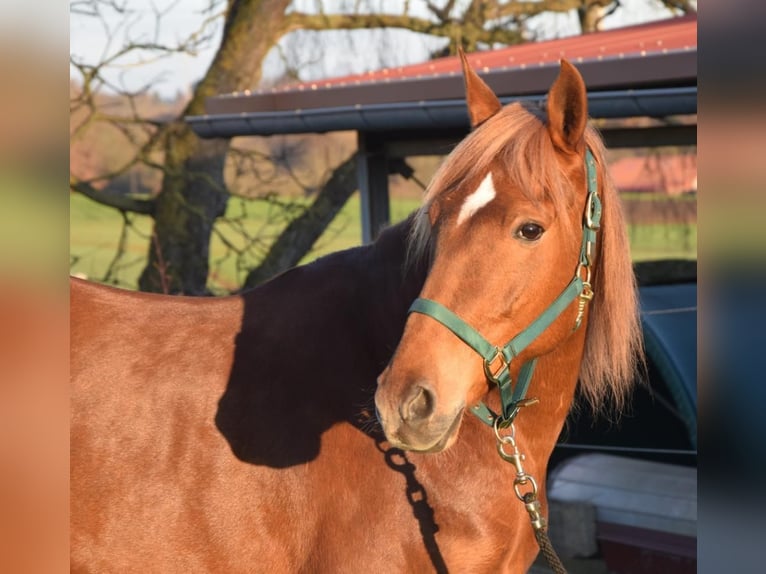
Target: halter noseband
(497,360)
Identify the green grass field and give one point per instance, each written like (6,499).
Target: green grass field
(663,241)
(95,232)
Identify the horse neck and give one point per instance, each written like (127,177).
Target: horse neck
(554,383)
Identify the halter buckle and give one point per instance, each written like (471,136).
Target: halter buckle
(492,374)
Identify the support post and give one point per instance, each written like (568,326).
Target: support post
(372,171)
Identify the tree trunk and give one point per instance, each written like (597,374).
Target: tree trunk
(193,192)
(193,195)
(298,237)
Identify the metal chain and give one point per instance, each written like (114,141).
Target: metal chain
(524,480)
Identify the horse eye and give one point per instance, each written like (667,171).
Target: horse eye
(530,231)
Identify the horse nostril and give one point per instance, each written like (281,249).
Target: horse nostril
(421,405)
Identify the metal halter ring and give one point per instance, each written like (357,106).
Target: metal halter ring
(578,273)
(587,255)
(522,480)
(504,439)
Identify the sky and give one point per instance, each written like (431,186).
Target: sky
(336,54)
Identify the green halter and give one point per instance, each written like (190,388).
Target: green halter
(497,360)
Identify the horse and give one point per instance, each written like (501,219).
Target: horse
(359,413)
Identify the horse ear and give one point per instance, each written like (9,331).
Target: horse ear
(567,109)
(482,101)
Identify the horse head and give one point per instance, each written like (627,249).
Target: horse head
(502,226)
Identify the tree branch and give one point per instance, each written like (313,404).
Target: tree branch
(526,9)
(301,233)
(302,21)
(684,6)
(441,13)
(111,199)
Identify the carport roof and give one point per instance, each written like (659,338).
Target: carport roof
(650,70)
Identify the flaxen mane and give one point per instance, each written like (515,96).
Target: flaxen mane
(517,134)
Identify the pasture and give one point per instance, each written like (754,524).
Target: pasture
(660,227)
(95,233)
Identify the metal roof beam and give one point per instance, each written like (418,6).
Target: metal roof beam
(430,115)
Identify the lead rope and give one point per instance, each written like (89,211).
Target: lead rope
(531,504)
(546,548)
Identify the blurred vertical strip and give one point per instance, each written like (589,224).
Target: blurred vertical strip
(34,415)
(732,307)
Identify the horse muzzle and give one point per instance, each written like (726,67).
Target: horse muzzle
(414,422)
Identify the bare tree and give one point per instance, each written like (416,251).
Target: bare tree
(193,193)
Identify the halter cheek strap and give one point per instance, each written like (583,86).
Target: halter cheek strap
(497,360)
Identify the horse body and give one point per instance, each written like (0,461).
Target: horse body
(311,424)
(183,462)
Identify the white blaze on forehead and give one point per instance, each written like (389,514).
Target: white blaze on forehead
(478,199)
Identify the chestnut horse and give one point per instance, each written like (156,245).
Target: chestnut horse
(256,433)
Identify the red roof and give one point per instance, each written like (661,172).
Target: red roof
(662,53)
(656,37)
